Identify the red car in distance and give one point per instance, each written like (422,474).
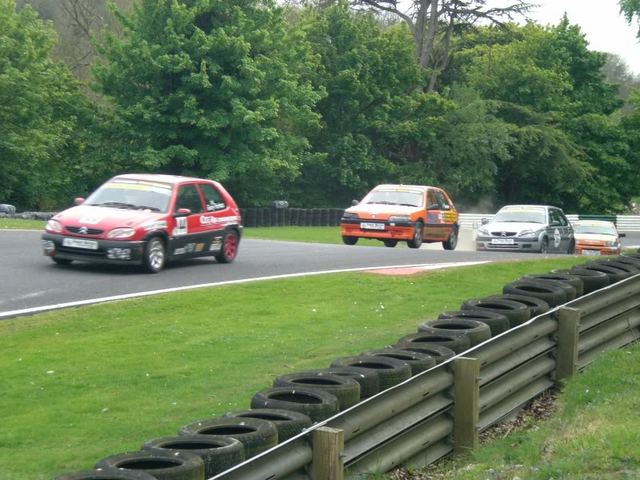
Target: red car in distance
(147,219)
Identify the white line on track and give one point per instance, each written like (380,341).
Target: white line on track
(79,303)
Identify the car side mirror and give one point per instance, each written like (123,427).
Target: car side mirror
(354,203)
(78,200)
(182,212)
(622,235)
(484,221)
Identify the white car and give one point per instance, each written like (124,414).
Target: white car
(527,228)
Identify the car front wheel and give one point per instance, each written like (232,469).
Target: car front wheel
(154,256)
(416,241)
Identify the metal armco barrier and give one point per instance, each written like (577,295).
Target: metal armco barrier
(414,422)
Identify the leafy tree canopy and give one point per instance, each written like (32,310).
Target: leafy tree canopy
(206,88)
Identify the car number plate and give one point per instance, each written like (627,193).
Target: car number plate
(591,252)
(80,243)
(371,226)
(502,241)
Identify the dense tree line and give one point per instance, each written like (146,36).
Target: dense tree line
(313,102)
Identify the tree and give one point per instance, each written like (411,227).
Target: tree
(39,110)
(549,88)
(366,72)
(208,87)
(433,24)
(631,10)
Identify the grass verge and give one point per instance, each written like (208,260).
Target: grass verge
(81,384)
(593,435)
(17,224)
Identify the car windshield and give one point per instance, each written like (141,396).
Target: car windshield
(132,195)
(521,215)
(395,197)
(595,229)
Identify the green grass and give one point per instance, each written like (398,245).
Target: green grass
(305,234)
(81,384)
(594,435)
(17,223)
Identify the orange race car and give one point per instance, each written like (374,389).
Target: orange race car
(411,213)
(596,237)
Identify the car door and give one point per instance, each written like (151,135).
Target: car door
(438,206)
(558,241)
(216,217)
(188,236)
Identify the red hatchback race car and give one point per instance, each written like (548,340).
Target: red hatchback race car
(147,220)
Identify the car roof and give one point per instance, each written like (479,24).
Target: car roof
(400,185)
(530,206)
(604,223)
(158,177)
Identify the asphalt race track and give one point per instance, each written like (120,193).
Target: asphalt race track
(30,280)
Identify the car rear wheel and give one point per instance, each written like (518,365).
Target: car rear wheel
(416,241)
(154,256)
(390,243)
(452,241)
(229,248)
(349,240)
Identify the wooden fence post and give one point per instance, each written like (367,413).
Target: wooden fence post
(328,445)
(466,404)
(568,336)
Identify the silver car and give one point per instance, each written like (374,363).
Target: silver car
(528,228)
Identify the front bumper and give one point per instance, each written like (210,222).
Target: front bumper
(117,252)
(530,244)
(597,250)
(386,230)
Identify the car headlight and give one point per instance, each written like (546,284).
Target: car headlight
(483,231)
(349,215)
(399,219)
(53,226)
(119,233)
(528,233)
(611,244)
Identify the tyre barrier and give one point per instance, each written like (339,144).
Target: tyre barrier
(366,377)
(418,362)
(573,280)
(160,465)
(316,404)
(391,371)
(218,453)
(255,434)
(628,259)
(554,295)
(456,342)
(614,274)
(592,280)
(106,473)
(537,306)
(287,422)
(517,313)
(497,322)
(569,291)
(624,266)
(346,389)
(476,330)
(438,352)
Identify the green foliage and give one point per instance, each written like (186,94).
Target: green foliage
(549,89)
(40,108)
(204,87)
